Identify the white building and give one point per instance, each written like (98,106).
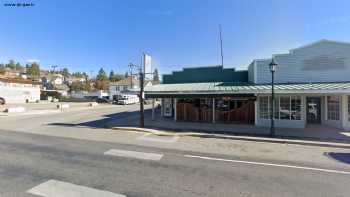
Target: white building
(325,67)
(124,86)
(19,90)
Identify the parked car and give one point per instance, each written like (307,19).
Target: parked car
(102,100)
(2,101)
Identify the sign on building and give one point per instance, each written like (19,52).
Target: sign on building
(147,65)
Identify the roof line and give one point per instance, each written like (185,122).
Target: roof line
(317,42)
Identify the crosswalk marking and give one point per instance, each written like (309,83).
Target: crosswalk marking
(55,188)
(134,154)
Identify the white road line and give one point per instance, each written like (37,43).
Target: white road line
(164,139)
(134,154)
(54,188)
(270,164)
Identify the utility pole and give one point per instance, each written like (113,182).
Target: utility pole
(221,50)
(141,74)
(142,115)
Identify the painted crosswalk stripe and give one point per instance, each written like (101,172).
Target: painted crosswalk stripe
(134,154)
(153,138)
(270,164)
(54,188)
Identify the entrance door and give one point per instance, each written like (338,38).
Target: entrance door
(168,107)
(313,110)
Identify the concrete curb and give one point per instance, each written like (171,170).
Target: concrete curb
(233,137)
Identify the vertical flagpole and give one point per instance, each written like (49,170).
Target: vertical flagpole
(222,54)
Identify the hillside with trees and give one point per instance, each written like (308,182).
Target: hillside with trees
(76,81)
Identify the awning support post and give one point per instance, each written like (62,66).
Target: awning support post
(213,121)
(153,101)
(175,106)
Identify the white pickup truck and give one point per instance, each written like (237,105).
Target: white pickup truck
(127,99)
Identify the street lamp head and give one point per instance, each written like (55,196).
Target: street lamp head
(273,65)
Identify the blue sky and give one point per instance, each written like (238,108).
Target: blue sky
(86,35)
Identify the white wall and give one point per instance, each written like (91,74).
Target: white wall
(19,93)
(325,61)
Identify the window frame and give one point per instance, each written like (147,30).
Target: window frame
(333,109)
(277,115)
(266,114)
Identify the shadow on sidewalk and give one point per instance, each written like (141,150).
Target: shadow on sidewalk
(342,157)
(318,133)
(126,118)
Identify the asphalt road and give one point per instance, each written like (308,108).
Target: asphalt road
(31,155)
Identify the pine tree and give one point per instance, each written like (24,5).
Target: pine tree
(11,64)
(33,70)
(101,76)
(156,75)
(111,75)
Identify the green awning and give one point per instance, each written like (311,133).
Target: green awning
(232,88)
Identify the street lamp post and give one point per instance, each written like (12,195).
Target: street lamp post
(273,66)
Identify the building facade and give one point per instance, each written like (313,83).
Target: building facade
(19,90)
(312,87)
(124,86)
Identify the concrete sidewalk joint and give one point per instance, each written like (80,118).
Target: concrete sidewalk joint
(232,137)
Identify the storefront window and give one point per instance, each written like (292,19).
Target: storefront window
(295,113)
(264,107)
(284,107)
(276,107)
(333,107)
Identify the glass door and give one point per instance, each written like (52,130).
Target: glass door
(313,110)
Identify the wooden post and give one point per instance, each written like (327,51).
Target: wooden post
(213,110)
(175,106)
(161,107)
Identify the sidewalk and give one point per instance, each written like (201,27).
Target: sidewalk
(312,135)
(233,137)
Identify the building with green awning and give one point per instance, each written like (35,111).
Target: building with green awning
(312,86)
